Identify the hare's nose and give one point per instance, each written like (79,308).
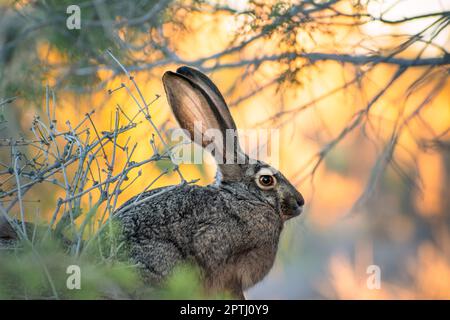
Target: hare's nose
(301,201)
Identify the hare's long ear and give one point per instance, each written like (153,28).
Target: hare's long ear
(212,91)
(198,113)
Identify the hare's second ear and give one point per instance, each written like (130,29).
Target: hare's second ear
(198,112)
(212,91)
(193,108)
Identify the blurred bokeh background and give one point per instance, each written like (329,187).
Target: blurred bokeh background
(359,90)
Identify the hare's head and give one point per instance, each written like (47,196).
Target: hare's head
(202,111)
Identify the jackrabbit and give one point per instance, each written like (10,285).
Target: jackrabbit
(231,228)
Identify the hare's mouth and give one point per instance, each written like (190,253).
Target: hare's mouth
(293,212)
(298,211)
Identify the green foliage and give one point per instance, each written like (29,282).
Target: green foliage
(37,268)
(120,26)
(184,283)
(41,272)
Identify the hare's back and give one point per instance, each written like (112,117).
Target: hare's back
(168,211)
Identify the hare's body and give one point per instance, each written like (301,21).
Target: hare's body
(226,230)
(229,229)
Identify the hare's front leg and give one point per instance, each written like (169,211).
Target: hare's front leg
(215,248)
(237,292)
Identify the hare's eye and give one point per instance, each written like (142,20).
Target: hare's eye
(266,181)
